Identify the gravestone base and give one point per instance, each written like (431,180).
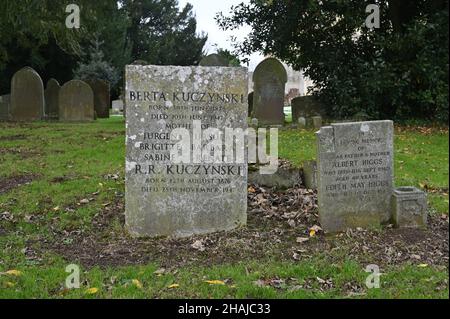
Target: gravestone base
(310,174)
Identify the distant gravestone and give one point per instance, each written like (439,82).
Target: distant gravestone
(250,104)
(167,198)
(139,62)
(269,80)
(301,122)
(316,122)
(52,98)
(76,102)
(102,99)
(214,60)
(27,96)
(306,106)
(5,101)
(355,174)
(117,105)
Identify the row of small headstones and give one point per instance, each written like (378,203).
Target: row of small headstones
(74,101)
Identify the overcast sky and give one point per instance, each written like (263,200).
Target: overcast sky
(205,11)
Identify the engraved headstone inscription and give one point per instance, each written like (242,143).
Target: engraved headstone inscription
(355,174)
(167,107)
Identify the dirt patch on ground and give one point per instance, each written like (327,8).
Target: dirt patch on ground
(279,228)
(23,153)
(13,137)
(8,183)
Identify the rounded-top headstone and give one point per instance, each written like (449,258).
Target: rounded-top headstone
(76,102)
(27,96)
(51,98)
(269,80)
(214,60)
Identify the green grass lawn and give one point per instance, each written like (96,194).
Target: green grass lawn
(69,165)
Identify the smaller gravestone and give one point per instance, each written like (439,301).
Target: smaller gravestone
(139,62)
(301,122)
(306,106)
(269,80)
(214,60)
(409,208)
(316,122)
(355,174)
(310,174)
(254,122)
(51,99)
(4,107)
(102,99)
(27,96)
(117,105)
(76,102)
(250,104)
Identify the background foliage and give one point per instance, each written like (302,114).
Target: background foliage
(398,71)
(33,33)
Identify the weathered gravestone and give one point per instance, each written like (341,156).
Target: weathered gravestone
(52,98)
(306,106)
(4,107)
(117,105)
(301,122)
(102,98)
(250,104)
(166,197)
(355,174)
(316,122)
(214,60)
(27,96)
(76,102)
(269,80)
(310,174)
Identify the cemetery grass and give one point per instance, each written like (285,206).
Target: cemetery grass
(61,202)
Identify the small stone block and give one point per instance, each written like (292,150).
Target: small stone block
(409,208)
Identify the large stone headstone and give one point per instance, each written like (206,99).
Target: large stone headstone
(355,174)
(269,80)
(27,96)
(214,60)
(52,98)
(180,199)
(76,102)
(102,98)
(306,106)
(5,101)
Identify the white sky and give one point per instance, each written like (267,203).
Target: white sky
(205,11)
